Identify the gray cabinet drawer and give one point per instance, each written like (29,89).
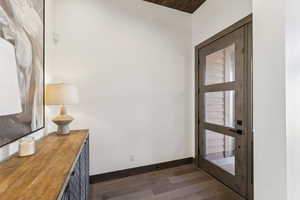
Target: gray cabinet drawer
(78,186)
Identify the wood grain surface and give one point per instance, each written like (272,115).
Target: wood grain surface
(43,175)
(180,183)
(189,6)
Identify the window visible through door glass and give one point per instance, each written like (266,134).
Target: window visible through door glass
(220,66)
(220,150)
(220,108)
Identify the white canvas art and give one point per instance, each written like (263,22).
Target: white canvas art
(22,25)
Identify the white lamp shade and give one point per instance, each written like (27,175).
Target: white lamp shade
(9,86)
(61,94)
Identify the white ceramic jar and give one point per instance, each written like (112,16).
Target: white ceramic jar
(27,147)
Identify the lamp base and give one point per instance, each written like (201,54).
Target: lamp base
(62,122)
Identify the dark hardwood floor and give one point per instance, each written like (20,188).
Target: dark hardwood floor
(179,183)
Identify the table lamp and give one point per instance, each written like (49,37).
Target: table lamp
(62,94)
(9,85)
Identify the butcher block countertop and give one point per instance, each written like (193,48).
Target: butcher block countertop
(44,175)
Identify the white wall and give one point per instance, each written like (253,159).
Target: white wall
(293,97)
(130,61)
(216,15)
(269,100)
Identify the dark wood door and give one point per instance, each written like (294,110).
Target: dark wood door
(222,109)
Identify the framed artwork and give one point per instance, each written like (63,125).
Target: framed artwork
(22,31)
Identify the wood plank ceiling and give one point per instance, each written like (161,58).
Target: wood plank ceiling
(189,6)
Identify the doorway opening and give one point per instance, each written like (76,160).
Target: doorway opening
(224,139)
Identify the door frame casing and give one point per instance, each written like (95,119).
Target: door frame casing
(235,180)
(248,97)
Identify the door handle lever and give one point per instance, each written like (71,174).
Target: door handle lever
(238,131)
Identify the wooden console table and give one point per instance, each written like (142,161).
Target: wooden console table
(59,170)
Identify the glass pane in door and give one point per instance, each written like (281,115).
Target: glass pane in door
(220,66)
(220,108)
(220,150)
